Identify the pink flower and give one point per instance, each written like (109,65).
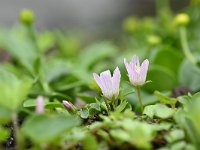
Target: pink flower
(40,104)
(136,73)
(109,85)
(67,104)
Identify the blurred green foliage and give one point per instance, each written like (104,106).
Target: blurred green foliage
(59,65)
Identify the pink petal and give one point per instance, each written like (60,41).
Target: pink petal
(107,82)
(135,60)
(144,69)
(128,67)
(98,80)
(116,81)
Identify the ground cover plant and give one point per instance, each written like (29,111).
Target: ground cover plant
(139,91)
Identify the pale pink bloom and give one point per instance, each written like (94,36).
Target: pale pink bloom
(136,73)
(67,104)
(109,85)
(40,104)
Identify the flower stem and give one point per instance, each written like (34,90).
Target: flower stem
(185,47)
(107,105)
(139,97)
(16,131)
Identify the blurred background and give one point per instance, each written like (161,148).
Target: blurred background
(92,15)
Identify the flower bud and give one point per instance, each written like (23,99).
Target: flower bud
(69,106)
(66,104)
(153,40)
(27,16)
(40,104)
(182,19)
(130,24)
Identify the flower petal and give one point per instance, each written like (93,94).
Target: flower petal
(135,61)
(144,69)
(116,82)
(106,80)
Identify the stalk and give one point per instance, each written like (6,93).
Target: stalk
(185,46)
(107,105)
(139,97)
(16,131)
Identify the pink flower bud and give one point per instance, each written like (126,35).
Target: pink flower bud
(67,104)
(40,104)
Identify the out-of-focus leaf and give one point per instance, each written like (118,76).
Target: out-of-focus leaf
(31,103)
(20,47)
(189,117)
(161,58)
(189,75)
(140,134)
(158,110)
(68,44)
(13,91)
(96,52)
(164,99)
(5,115)
(45,40)
(175,135)
(162,79)
(4,134)
(56,68)
(90,143)
(87,97)
(46,128)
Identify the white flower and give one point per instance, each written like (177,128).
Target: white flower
(136,73)
(109,85)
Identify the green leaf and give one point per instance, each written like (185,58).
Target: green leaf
(120,135)
(95,106)
(45,40)
(164,99)
(158,110)
(84,113)
(161,58)
(121,107)
(96,52)
(88,98)
(189,75)
(13,91)
(31,103)
(20,47)
(4,134)
(140,133)
(5,115)
(90,143)
(45,128)
(126,90)
(56,68)
(162,79)
(175,135)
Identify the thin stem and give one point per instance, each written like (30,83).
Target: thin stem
(16,131)
(185,47)
(139,97)
(107,105)
(32,34)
